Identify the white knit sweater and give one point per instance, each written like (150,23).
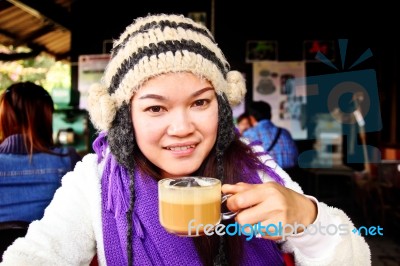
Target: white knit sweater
(70,233)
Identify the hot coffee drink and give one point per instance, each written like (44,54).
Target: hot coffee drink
(190,201)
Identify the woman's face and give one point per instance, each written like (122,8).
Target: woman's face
(175,117)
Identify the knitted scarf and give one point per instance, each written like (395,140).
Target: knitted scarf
(152,245)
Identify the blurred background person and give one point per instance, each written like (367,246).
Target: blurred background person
(277,141)
(243,122)
(31,167)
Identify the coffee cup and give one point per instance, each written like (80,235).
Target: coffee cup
(190,205)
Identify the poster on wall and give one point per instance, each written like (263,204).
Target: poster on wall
(90,71)
(261,50)
(312,47)
(274,82)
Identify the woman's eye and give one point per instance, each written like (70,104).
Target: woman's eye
(200,102)
(154,109)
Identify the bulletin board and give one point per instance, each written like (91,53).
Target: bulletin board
(275,82)
(90,71)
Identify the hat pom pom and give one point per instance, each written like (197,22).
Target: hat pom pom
(101,107)
(236,87)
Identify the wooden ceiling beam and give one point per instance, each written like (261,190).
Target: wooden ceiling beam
(45,9)
(36,49)
(36,34)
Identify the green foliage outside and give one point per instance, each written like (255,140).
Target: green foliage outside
(43,69)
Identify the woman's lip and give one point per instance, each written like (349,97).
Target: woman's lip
(181,150)
(181,145)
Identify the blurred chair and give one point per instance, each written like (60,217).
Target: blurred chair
(376,192)
(9,231)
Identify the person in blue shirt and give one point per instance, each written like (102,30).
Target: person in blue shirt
(277,141)
(31,167)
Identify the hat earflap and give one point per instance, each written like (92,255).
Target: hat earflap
(101,106)
(236,87)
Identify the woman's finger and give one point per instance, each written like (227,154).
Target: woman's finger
(248,195)
(233,189)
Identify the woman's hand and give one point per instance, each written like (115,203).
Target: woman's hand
(269,203)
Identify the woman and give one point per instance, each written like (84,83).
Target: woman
(162,110)
(31,167)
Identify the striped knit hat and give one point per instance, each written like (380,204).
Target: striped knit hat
(154,45)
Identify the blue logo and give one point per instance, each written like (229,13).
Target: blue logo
(368,231)
(341,105)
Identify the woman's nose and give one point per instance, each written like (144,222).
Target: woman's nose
(181,124)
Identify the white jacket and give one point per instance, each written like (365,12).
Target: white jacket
(70,233)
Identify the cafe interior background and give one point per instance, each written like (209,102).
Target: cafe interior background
(330,72)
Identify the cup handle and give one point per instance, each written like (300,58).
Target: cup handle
(227,215)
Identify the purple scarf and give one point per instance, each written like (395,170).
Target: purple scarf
(152,245)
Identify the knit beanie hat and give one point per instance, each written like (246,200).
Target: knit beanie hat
(154,45)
